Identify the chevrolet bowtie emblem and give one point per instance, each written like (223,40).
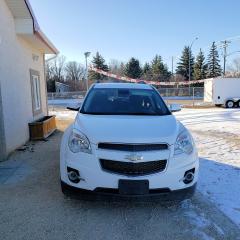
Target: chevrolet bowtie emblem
(134,157)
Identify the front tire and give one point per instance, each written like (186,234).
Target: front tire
(75,193)
(229,104)
(64,189)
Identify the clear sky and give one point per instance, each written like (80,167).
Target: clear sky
(119,29)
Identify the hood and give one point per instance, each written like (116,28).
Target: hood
(128,129)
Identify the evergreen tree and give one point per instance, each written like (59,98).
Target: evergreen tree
(200,67)
(133,69)
(147,71)
(146,68)
(183,65)
(214,68)
(159,70)
(99,63)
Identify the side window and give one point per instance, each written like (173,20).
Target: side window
(36,93)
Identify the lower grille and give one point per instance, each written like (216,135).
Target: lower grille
(133,169)
(115,191)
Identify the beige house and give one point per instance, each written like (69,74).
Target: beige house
(22,82)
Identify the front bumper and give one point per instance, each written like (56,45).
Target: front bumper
(113,194)
(94,178)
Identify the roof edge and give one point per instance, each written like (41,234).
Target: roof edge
(37,31)
(46,41)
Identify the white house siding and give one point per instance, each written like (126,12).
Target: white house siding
(15,63)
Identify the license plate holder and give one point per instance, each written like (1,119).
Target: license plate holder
(133,187)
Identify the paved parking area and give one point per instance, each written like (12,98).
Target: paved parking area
(33,207)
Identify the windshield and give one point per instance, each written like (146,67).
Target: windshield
(124,101)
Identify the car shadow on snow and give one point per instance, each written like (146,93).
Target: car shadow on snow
(219,182)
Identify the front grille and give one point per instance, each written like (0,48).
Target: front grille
(133,147)
(133,169)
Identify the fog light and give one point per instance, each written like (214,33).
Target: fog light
(73,175)
(189,176)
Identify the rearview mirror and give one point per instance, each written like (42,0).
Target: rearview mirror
(74,107)
(174,107)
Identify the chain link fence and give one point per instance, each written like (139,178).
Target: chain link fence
(184,96)
(192,92)
(66,95)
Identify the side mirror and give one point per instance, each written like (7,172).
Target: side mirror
(174,107)
(74,107)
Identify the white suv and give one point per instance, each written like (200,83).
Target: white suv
(126,142)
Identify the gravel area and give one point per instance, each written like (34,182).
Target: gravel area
(33,207)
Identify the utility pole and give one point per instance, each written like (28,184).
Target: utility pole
(173,77)
(75,81)
(87,54)
(224,46)
(189,64)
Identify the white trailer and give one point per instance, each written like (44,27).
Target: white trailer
(222,91)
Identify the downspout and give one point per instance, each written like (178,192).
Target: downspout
(3,146)
(45,81)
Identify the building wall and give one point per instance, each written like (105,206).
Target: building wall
(16,60)
(62,87)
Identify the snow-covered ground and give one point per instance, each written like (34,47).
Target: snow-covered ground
(63,114)
(217,135)
(211,119)
(63,102)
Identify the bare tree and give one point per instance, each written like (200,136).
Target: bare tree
(48,71)
(234,68)
(116,67)
(51,87)
(58,68)
(74,72)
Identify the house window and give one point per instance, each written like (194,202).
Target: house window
(36,92)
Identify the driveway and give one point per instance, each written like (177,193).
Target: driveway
(33,207)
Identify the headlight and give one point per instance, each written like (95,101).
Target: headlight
(78,142)
(184,143)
